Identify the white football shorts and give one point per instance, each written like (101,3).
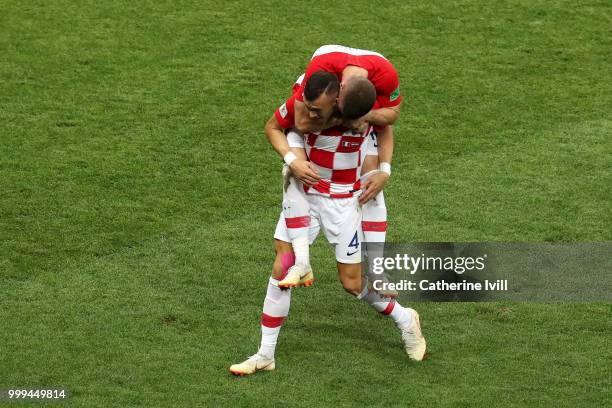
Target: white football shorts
(340,220)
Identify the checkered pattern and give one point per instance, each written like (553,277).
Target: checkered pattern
(337,154)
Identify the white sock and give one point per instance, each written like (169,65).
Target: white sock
(297,218)
(375,219)
(374,226)
(275,311)
(387,306)
(401,316)
(269,338)
(301,248)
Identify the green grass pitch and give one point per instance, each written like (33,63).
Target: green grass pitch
(138,198)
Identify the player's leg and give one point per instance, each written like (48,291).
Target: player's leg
(276,303)
(297,217)
(374,211)
(347,240)
(354,283)
(406,319)
(277,300)
(275,310)
(374,221)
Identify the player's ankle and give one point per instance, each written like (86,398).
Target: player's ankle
(402,317)
(267,352)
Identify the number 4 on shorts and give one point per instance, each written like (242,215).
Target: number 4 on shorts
(354,244)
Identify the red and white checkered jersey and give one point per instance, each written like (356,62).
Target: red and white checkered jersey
(334,58)
(337,155)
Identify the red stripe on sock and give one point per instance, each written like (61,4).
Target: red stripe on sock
(272,321)
(298,222)
(374,226)
(389,308)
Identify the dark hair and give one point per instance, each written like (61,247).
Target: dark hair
(359,98)
(321,82)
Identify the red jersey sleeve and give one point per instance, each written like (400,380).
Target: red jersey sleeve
(285,114)
(391,95)
(387,88)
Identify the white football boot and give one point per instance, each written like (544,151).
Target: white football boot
(297,275)
(414,342)
(251,365)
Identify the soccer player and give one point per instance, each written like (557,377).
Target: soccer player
(337,154)
(348,64)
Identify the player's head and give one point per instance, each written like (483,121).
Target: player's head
(356,97)
(320,94)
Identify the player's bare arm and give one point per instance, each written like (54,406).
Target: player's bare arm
(378,181)
(300,167)
(384,116)
(381,117)
(385,144)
